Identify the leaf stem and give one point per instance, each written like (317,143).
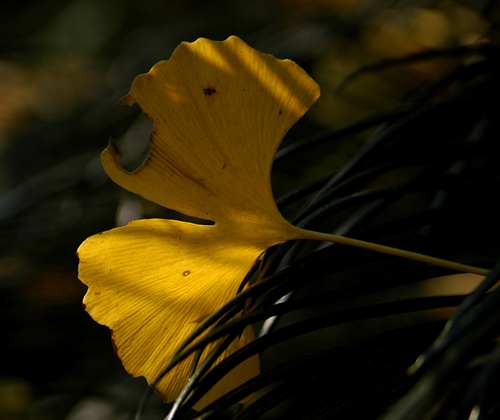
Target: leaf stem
(327,237)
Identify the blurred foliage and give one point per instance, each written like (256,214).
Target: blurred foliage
(63,66)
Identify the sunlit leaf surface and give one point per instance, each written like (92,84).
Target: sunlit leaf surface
(220,111)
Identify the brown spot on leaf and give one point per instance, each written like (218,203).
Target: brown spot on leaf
(186,273)
(209,90)
(280,111)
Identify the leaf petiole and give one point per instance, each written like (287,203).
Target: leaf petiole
(439,262)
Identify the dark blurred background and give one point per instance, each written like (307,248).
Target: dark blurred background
(63,66)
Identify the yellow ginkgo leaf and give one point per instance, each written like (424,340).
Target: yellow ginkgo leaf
(220,111)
